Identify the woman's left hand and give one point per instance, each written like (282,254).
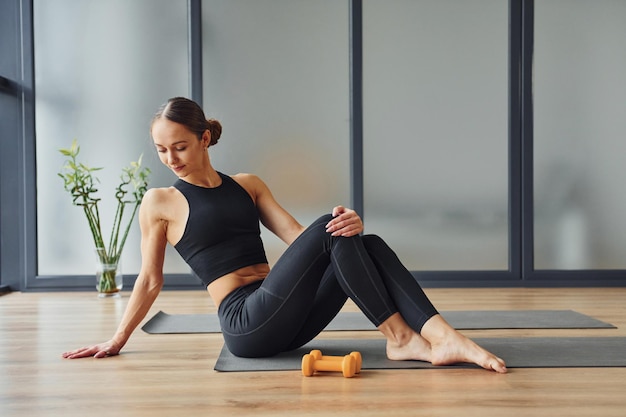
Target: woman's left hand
(345,222)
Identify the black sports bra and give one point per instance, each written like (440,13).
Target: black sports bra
(222,233)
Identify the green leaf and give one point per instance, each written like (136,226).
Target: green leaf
(78,180)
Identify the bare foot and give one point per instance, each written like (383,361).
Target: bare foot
(448,346)
(439,344)
(461,349)
(417,348)
(404,343)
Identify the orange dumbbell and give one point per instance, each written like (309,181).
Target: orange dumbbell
(315,361)
(358,360)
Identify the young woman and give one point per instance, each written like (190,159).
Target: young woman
(213,219)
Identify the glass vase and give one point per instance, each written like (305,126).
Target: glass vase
(109,278)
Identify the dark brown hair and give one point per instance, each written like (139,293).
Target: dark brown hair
(189,114)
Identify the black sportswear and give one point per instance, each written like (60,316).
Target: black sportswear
(222,233)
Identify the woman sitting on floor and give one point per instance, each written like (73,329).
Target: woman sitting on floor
(212,220)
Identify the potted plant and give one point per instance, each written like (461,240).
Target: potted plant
(80,182)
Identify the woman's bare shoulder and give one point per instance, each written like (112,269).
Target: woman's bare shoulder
(164,209)
(250,182)
(160,195)
(162,202)
(244,176)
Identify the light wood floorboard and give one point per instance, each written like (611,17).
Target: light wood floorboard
(172,375)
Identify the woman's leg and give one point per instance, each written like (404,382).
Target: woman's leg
(291,305)
(418,332)
(407,294)
(328,301)
(297,298)
(266,320)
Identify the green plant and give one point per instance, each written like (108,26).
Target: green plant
(80,182)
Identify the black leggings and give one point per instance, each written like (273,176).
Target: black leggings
(308,286)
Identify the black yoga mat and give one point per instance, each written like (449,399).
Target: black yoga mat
(163,323)
(525,352)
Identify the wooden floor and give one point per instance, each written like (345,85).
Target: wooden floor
(172,375)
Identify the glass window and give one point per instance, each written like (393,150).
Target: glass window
(435,108)
(579,134)
(102,68)
(276,74)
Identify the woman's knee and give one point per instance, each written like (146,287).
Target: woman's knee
(320,224)
(373,242)
(378,248)
(324,219)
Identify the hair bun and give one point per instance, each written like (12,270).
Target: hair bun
(215,127)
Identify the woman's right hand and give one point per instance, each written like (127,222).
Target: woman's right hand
(101,350)
(346,222)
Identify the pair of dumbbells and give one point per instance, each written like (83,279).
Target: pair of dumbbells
(348,365)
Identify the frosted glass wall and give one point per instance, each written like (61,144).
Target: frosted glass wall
(102,68)
(435,94)
(580,134)
(276,74)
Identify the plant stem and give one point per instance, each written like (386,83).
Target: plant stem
(80,182)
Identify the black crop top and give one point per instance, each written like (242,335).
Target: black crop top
(222,233)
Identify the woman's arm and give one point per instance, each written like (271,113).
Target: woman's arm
(148,283)
(272,215)
(345,222)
